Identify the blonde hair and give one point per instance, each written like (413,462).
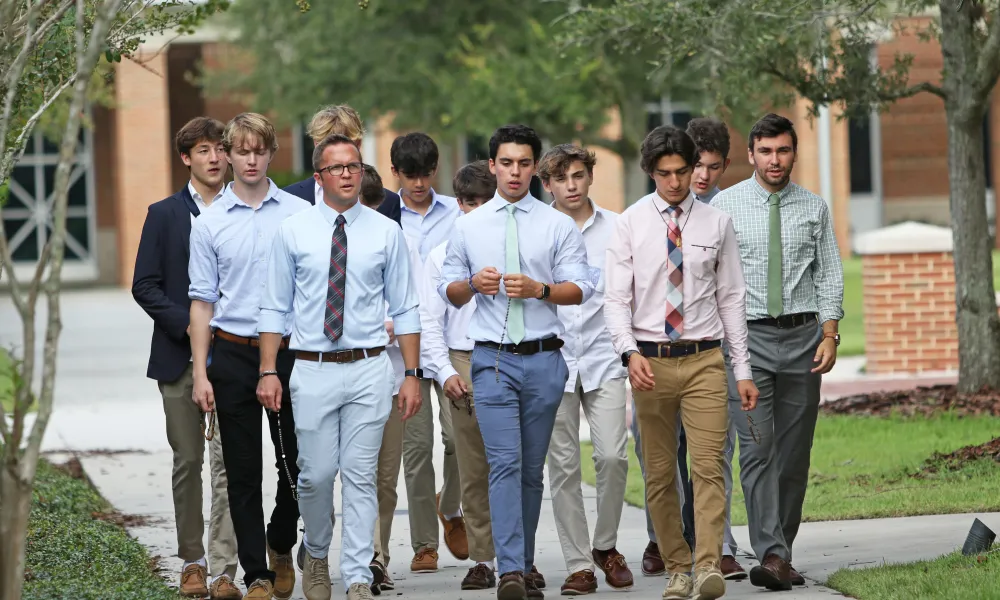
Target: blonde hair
(246,125)
(340,119)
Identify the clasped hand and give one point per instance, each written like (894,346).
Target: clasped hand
(517,285)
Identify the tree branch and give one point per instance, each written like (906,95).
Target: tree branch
(7,264)
(14,153)
(913,90)
(13,76)
(988,63)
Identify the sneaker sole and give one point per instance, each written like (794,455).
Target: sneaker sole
(512,591)
(578,592)
(711,588)
(760,577)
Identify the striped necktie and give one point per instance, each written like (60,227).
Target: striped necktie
(333,324)
(675,276)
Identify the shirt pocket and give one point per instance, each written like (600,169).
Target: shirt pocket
(700,258)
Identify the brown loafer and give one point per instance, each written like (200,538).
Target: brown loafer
(455,537)
(652,562)
(615,569)
(223,588)
(795,577)
(424,561)
(531,588)
(479,577)
(731,569)
(536,578)
(579,583)
(194,581)
(772,574)
(511,586)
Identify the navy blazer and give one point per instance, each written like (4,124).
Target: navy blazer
(306,189)
(160,283)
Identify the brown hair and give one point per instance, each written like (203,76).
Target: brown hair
(197,130)
(474,180)
(371,187)
(340,119)
(249,124)
(557,160)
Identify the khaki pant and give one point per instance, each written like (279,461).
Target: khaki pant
(473,469)
(184,421)
(695,385)
(418,470)
(390,457)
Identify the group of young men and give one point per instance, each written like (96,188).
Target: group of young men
(335,306)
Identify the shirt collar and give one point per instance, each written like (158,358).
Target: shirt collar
(598,213)
(525,204)
(434,200)
(197,197)
(662,205)
(708,197)
(350,215)
(230,198)
(764,194)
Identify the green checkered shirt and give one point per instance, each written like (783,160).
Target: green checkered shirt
(812,274)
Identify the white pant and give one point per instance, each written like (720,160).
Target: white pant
(605,412)
(340,411)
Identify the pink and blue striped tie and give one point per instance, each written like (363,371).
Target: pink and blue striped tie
(675,277)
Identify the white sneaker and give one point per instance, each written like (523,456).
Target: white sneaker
(709,583)
(359,591)
(316,584)
(678,587)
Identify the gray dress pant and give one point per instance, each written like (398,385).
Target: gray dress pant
(775,471)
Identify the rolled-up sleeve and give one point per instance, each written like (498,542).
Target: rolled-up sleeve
(456,263)
(730,296)
(279,290)
(828,270)
(618,277)
(203,265)
(433,348)
(571,261)
(400,289)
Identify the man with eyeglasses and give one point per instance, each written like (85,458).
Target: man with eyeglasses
(336,270)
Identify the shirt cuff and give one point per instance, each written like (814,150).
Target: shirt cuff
(209,297)
(743,372)
(830,315)
(406,322)
(271,321)
(446,373)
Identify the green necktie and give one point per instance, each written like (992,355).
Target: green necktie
(774,304)
(512,259)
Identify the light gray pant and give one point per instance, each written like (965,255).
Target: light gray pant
(184,422)
(775,472)
(605,412)
(729,542)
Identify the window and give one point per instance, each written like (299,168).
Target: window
(859,134)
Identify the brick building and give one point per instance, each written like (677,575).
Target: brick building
(873,172)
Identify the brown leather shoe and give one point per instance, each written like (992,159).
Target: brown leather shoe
(531,588)
(612,564)
(535,577)
(652,562)
(455,536)
(512,586)
(579,583)
(425,561)
(479,577)
(284,571)
(194,581)
(223,588)
(772,574)
(795,577)
(731,569)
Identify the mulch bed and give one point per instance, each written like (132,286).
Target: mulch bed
(923,401)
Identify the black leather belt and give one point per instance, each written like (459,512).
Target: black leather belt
(526,348)
(786,321)
(656,350)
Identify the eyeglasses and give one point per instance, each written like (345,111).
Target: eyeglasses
(335,170)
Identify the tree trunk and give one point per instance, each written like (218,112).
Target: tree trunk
(15,504)
(633,126)
(976,307)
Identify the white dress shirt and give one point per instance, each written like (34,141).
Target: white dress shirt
(431,229)
(378,272)
(199,201)
(551,250)
(443,327)
(588,350)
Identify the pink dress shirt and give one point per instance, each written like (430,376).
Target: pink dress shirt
(636,279)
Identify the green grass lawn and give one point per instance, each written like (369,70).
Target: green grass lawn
(861,466)
(72,555)
(852,328)
(948,577)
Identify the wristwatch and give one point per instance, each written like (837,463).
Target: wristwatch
(627,355)
(546,290)
(835,336)
(418,373)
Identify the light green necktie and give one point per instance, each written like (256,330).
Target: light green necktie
(512,260)
(774,304)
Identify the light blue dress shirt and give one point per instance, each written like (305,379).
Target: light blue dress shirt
(552,251)
(430,230)
(378,274)
(230,246)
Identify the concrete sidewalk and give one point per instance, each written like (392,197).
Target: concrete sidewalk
(105,403)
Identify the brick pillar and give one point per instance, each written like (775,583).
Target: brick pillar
(909,299)
(143,148)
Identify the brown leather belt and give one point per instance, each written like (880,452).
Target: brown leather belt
(247,341)
(339,356)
